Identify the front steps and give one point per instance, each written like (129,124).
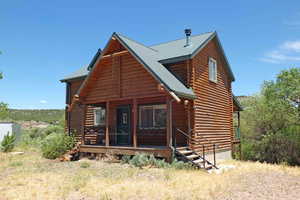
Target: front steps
(186,154)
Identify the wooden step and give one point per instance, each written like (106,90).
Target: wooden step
(192,156)
(208,166)
(200,160)
(181,148)
(185,152)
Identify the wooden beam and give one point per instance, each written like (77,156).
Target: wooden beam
(239,119)
(115,54)
(107,124)
(189,123)
(135,123)
(175,97)
(168,121)
(124,98)
(83,125)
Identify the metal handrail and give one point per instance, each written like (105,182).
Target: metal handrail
(203,146)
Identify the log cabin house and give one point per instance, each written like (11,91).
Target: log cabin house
(174,97)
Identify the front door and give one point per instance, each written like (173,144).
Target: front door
(123,125)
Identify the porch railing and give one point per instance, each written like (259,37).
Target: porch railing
(237,133)
(191,140)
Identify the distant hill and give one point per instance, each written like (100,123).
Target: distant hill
(44,115)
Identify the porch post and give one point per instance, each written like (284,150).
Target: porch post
(106,124)
(134,123)
(239,119)
(169,121)
(189,123)
(83,124)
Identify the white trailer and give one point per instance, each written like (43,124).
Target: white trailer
(9,128)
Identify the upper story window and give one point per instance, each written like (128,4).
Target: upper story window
(152,116)
(99,116)
(212,70)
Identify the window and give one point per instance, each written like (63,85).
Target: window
(212,67)
(152,116)
(99,116)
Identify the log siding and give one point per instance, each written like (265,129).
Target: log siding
(213,108)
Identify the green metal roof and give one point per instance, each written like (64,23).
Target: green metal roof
(153,58)
(177,48)
(80,73)
(149,58)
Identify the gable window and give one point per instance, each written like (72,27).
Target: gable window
(212,69)
(152,116)
(99,116)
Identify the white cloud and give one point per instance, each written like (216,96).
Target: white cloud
(288,52)
(291,46)
(43,101)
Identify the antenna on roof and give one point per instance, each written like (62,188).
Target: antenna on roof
(188,33)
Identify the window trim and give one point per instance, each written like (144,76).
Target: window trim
(215,74)
(154,107)
(94,112)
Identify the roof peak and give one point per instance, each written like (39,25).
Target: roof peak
(135,41)
(192,36)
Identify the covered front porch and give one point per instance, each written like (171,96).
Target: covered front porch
(128,126)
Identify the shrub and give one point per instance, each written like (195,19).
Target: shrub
(56,144)
(139,160)
(181,165)
(279,148)
(142,160)
(248,150)
(35,133)
(8,142)
(29,139)
(125,159)
(16,164)
(52,129)
(85,165)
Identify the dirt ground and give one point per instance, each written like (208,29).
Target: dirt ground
(264,185)
(30,177)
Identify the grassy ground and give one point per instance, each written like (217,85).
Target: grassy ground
(29,176)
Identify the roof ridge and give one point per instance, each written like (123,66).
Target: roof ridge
(137,42)
(180,39)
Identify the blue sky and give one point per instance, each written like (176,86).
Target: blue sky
(42,41)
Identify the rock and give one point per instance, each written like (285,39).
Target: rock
(17,153)
(222,169)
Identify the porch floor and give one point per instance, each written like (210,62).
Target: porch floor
(159,151)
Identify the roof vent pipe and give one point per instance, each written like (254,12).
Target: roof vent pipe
(188,33)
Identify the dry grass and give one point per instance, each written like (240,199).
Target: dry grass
(29,176)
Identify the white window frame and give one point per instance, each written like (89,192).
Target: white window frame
(153,107)
(212,70)
(95,118)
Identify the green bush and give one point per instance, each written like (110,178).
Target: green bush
(33,138)
(30,139)
(142,160)
(139,160)
(279,148)
(248,150)
(85,165)
(125,159)
(181,165)
(52,129)
(8,142)
(56,144)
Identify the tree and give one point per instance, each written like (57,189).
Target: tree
(270,122)
(3,106)
(285,92)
